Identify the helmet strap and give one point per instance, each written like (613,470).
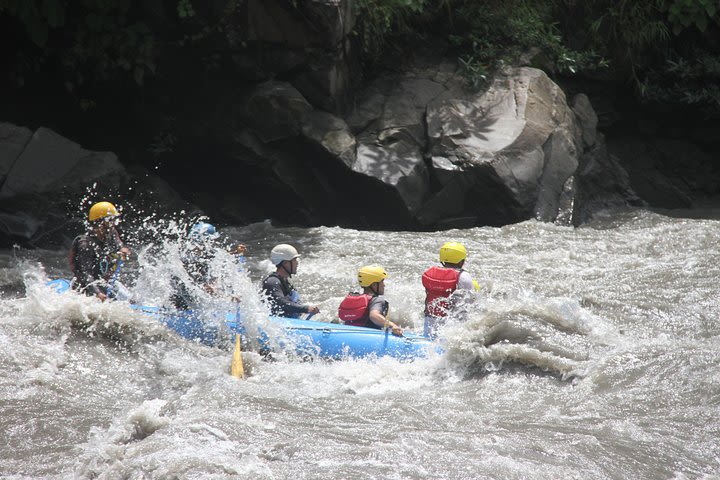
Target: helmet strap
(282,265)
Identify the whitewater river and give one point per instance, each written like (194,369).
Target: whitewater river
(591,353)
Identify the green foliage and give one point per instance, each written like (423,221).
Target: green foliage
(685,13)
(498,33)
(487,34)
(379,19)
(661,42)
(185,9)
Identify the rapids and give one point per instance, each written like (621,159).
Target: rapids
(589,353)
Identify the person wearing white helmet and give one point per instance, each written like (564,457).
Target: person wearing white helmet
(284,299)
(96,255)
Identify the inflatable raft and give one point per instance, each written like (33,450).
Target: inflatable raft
(304,337)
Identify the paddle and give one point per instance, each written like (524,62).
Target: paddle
(236,367)
(114,278)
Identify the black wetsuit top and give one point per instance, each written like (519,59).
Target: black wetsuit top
(279,291)
(93,261)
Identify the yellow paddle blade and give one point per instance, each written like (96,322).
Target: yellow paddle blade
(236,367)
(476,285)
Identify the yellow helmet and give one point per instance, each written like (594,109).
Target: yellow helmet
(370,274)
(452,252)
(102,210)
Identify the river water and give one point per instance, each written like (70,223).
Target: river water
(589,353)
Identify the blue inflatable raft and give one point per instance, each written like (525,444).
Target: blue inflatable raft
(304,337)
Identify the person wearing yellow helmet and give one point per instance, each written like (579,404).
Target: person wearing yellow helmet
(283,298)
(369,308)
(441,282)
(94,255)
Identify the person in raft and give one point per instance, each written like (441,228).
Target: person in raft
(369,308)
(195,259)
(202,244)
(95,256)
(441,282)
(284,299)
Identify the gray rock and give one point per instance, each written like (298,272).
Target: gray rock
(398,163)
(18,225)
(586,117)
(13,140)
(52,162)
(275,110)
(332,134)
(365,113)
(519,135)
(556,174)
(325,84)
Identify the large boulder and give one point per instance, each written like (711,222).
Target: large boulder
(433,154)
(519,142)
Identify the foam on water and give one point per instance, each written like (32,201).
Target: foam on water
(625,308)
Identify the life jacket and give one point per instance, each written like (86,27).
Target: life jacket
(439,283)
(353,310)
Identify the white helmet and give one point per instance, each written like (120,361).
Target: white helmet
(283,252)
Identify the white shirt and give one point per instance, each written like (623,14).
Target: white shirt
(465,281)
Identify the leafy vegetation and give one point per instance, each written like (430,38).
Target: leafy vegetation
(660,45)
(486,34)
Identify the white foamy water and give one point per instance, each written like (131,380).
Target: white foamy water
(588,353)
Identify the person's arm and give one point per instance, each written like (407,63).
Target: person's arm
(465,282)
(273,289)
(378,312)
(122,249)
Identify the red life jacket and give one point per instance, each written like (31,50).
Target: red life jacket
(353,309)
(439,283)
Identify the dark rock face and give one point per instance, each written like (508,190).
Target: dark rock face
(666,173)
(306,43)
